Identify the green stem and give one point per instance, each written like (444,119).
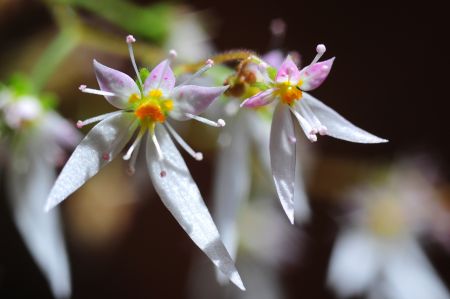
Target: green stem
(55,53)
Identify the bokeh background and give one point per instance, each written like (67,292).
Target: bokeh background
(390,78)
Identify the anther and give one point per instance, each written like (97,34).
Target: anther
(320,51)
(163,173)
(130,39)
(277,27)
(172,54)
(82,87)
(292,139)
(79,124)
(106,156)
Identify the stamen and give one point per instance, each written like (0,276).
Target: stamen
(172,56)
(128,132)
(320,51)
(219,124)
(196,155)
(158,148)
(135,144)
(84,89)
(82,123)
(318,127)
(306,126)
(130,39)
(208,64)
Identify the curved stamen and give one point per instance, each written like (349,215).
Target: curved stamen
(306,126)
(219,124)
(128,132)
(85,89)
(158,148)
(130,39)
(319,128)
(320,51)
(82,123)
(208,64)
(196,155)
(135,144)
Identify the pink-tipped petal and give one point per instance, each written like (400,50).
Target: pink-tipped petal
(161,77)
(313,76)
(337,126)
(288,71)
(282,158)
(193,99)
(111,80)
(261,99)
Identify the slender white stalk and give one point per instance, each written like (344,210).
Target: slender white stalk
(306,126)
(196,155)
(320,51)
(209,63)
(85,89)
(321,129)
(158,148)
(130,39)
(127,132)
(220,122)
(135,145)
(82,123)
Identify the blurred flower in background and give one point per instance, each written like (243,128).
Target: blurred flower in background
(33,142)
(377,251)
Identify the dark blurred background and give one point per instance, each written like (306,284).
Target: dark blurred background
(390,78)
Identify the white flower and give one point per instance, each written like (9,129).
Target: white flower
(34,140)
(145,107)
(289,86)
(379,253)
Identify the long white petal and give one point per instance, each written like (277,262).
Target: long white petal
(409,275)
(88,158)
(181,196)
(231,183)
(354,263)
(30,178)
(337,126)
(301,205)
(282,157)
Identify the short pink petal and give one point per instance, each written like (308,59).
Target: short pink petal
(114,81)
(288,71)
(261,99)
(161,77)
(193,99)
(312,76)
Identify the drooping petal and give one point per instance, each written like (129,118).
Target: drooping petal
(409,274)
(231,182)
(259,131)
(301,204)
(260,99)
(106,138)
(30,177)
(337,126)
(312,76)
(354,263)
(282,157)
(288,71)
(193,99)
(161,77)
(114,81)
(180,194)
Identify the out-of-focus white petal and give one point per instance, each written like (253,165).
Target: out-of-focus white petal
(114,81)
(61,130)
(409,275)
(30,177)
(259,128)
(337,126)
(354,263)
(231,183)
(282,157)
(89,156)
(193,99)
(181,196)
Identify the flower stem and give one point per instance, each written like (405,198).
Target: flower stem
(233,55)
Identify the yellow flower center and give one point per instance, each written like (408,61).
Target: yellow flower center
(288,93)
(151,108)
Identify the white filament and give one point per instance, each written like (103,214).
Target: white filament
(130,39)
(209,63)
(84,89)
(220,122)
(82,123)
(158,148)
(320,51)
(135,146)
(306,126)
(196,155)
